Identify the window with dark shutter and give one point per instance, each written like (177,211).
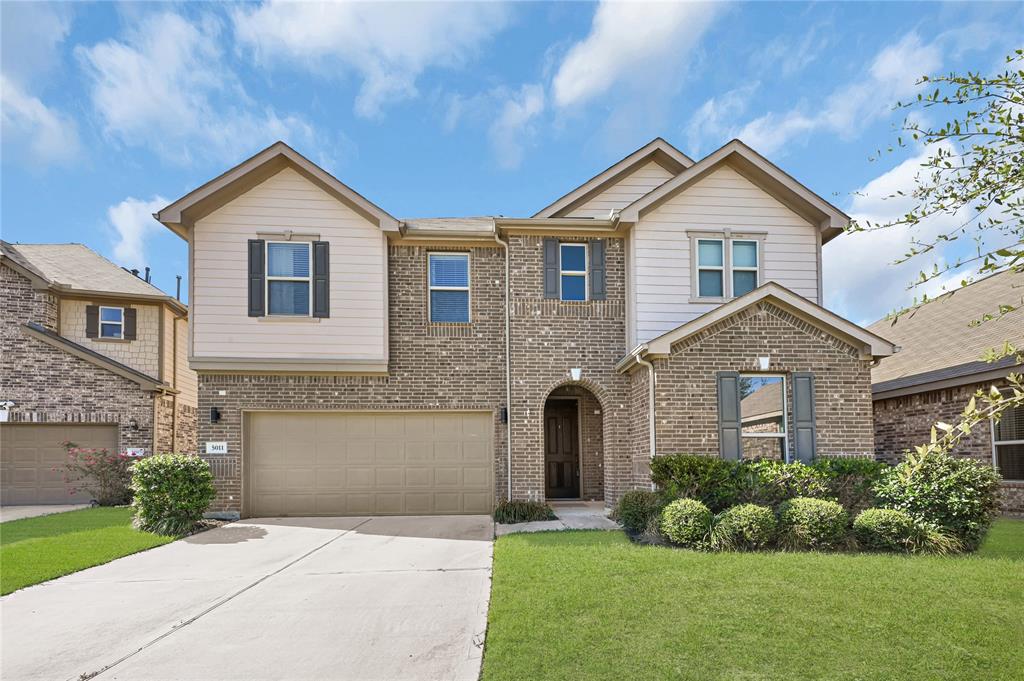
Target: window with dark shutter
(92,321)
(257,274)
(129,323)
(729,427)
(321,279)
(551,267)
(598,290)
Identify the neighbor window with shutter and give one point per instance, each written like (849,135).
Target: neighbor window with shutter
(449,287)
(1008,444)
(111,321)
(573,274)
(289,268)
(763,416)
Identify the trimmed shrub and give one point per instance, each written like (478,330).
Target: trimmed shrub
(850,479)
(770,482)
(687,522)
(887,529)
(171,492)
(711,480)
(813,524)
(106,476)
(514,511)
(637,508)
(748,527)
(956,496)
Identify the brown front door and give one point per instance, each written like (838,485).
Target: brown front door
(561,450)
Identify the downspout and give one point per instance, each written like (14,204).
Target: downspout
(652,380)
(508,370)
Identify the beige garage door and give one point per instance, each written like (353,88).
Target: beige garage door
(29,452)
(332,463)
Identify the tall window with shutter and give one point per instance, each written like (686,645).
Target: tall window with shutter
(289,278)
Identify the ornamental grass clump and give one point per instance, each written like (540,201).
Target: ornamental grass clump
(812,524)
(171,493)
(518,511)
(687,523)
(747,527)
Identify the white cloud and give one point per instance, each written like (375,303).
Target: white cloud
(790,54)
(712,121)
(132,224)
(387,45)
(514,128)
(31,34)
(45,134)
(166,86)
(640,41)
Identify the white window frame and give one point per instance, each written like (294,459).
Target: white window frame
(756,269)
(784,435)
(120,324)
(268,278)
(999,443)
(584,273)
(467,288)
(726,280)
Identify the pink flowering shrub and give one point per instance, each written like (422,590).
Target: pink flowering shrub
(106,476)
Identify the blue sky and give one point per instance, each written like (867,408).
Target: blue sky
(112,110)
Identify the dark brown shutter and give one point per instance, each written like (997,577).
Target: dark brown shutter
(804,442)
(597,269)
(730,440)
(551,267)
(321,279)
(257,306)
(92,321)
(129,323)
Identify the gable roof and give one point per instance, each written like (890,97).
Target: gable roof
(764,402)
(759,170)
(871,345)
(76,268)
(182,214)
(940,345)
(657,150)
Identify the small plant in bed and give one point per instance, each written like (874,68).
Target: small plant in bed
(517,511)
(687,523)
(638,509)
(813,524)
(103,474)
(891,530)
(747,527)
(171,493)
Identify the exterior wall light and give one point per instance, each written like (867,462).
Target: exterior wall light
(133,425)
(763,362)
(575,374)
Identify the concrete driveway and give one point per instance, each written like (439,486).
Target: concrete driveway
(289,598)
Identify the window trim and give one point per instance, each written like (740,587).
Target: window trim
(727,237)
(267,278)
(784,435)
(999,443)
(467,288)
(723,268)
(100,322)
(756,269)
(584,273)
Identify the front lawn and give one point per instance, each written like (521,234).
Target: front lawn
(592,605)
(33,550)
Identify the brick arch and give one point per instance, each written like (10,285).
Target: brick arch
(596,389)
(595,432)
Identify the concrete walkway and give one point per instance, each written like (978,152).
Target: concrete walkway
(296,599)
(19,512)
(572,515)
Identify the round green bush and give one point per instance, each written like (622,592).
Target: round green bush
(884,529)
(171,492)
(748,527)
(812,524)
(687,522)
(637,508)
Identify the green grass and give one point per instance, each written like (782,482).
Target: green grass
(592,605)
(34,550)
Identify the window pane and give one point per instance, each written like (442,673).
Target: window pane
(764,448)
(449,306)
(709,253)
(110,330)
(110,314)
(1010,461)
(574,258)
(449,269)
(744,254)
(288,260)
(761,404)
(289,297)
(710,283)
(743,282)
(574,287)
(1011,425)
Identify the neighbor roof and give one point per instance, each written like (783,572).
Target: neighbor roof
(763,402)
(940,347)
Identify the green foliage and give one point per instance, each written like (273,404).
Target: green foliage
(958,496)
(714,481)
(850,480)
(687,523)
(171,492)
(509,512)
(887,529)
(103,474)
(747,527)
(812,524)
(637,508)
(770,482)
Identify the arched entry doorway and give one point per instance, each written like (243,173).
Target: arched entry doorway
(573,444)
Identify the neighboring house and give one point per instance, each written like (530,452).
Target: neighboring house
(89,353)
(354,363)
(939,368)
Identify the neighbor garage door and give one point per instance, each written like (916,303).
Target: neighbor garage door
(331,463)
(30,452)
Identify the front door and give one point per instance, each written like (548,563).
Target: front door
(561,450)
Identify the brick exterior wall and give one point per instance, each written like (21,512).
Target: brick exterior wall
(175,426)
(904,422)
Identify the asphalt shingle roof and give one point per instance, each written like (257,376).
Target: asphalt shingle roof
(76,266)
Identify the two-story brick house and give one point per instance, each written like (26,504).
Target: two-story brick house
(354,363)
(89,353)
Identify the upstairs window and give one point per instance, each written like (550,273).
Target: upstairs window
(449,287)
(726,267)
(711,268)
(573,274)
(1008,444)
(744,267)
(288,278)
(111,322)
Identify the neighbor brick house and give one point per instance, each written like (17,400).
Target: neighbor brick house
(939,368)
(353,363)
(89,353)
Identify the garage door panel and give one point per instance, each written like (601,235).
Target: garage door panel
(370,463)
(30,452)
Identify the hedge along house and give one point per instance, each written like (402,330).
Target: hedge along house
(354,363)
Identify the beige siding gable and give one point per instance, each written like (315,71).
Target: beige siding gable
(660,270)
(624,192)
(141,354)
(287,201)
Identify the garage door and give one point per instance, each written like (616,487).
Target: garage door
(29,452)
(332,463)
